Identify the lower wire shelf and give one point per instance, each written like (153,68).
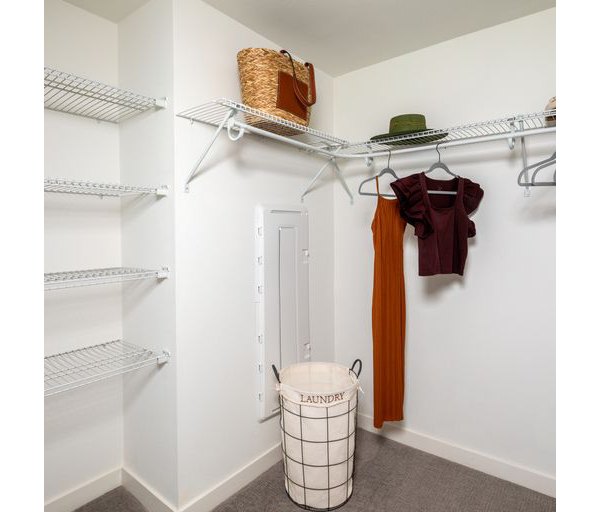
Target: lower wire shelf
(59,280)
(90,188)
(76,368)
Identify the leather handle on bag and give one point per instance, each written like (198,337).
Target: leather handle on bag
(312,88)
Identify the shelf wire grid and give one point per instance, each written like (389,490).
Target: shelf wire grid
(518,125)
(59,280)
(64,186)
(65,92)
(76,368)
(213,113)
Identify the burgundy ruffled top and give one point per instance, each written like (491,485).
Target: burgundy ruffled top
(441,222)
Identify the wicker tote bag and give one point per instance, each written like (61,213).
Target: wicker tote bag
(275,83)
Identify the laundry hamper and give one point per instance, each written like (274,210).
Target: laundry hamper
(318,406)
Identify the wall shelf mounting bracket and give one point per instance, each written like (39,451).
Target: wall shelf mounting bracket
(338,175)
(511,140)
(232,128)
(240,119)
(194,172)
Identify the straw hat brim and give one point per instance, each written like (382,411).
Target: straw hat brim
(408,142)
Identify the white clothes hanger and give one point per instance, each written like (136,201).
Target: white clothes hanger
(546,162)
(385,170)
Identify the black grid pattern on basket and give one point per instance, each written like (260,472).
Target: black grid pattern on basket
(348,461)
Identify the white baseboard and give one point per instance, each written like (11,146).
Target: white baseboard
(234,482)
(85,493)
(152,500)
(147,496)
(515,473)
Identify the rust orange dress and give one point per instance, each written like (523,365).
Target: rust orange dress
(389,311)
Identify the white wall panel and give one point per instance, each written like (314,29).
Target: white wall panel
(146,156)
(83,428)
(215,242)
(282,296)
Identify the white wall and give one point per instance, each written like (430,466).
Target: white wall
(217,409)
(480,354)
(83,428)
(480,350)
(146,66)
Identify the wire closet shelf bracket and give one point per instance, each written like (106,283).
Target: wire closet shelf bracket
(65,92)
(238,119)
(73,279)
(76,368)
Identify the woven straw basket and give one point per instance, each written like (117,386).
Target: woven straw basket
(259,70)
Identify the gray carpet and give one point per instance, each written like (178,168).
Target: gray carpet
(117,500)
(392,477)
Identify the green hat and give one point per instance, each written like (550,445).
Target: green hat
(406,124)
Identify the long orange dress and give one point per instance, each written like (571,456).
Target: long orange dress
(389,312)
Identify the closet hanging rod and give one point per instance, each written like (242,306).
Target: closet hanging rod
(509,128)
(340,152)
(233,117)
(309,148)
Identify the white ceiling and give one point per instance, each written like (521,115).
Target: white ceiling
(339,36)
(113,10)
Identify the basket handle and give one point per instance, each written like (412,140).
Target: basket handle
(359,367)
(312,88)
(276,373)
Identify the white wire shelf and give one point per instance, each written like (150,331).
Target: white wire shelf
(256,121)
(59,280)
(65,92)
(239,119)
(76,368)
(64,186)
(520,125)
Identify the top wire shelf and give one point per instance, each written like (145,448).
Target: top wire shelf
(65,92)
(89,188)
(217,112)
(505,128)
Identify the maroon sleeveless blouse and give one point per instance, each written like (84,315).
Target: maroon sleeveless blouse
(441,222)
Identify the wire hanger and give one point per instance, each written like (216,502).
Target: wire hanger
(385,170)
(441,165)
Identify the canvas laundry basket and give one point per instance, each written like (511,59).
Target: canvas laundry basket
(272,84)
(318,406)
